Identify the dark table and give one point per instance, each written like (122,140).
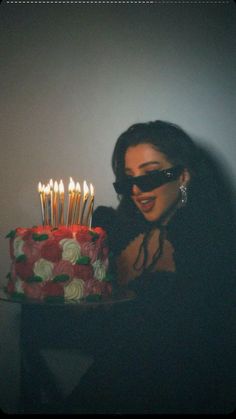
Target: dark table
(70,324)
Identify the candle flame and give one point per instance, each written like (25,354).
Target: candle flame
(77,187)
(85,188)
(40,187)
(47,189)
(61,188)
(51,184)
(71,186)
(56,186)
(91,189)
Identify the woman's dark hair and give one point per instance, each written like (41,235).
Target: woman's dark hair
(166,137)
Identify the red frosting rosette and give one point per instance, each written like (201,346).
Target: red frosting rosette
(62,233)
(24,269)
(96,287)
(33,290)
(32,250)
(91,250)
(63,267)
(51,250)
(53,289)
(83,235)
(84,272)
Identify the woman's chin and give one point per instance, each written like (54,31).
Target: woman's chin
(151,216)
(163,217)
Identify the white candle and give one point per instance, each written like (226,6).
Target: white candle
(71,189)
(61,203)
(40,190)
(55,204)
(51,221)
(47,204)
(85,199)
(44,202)
(75,219)
(91,205)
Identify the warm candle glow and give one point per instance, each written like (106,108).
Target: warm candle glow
(71,185)
(61,188)
(40,187)
(56,187)
(85,189)
(52,201)
(47,190)
(91,190)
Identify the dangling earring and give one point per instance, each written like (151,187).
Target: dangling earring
(184,196)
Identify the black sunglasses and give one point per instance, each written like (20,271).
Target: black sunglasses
(148,182)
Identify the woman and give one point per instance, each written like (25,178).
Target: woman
(172,349)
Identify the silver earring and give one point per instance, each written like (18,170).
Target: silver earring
(184,196)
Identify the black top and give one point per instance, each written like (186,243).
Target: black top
(173,349)
(179,337)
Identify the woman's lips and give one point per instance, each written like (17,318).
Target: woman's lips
(146,204)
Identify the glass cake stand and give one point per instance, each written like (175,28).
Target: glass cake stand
(118,296)
(83,325)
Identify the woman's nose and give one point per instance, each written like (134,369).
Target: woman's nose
(135,190)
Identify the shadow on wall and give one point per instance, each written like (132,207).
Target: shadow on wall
(222,182)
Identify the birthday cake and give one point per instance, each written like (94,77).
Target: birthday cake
(68,263)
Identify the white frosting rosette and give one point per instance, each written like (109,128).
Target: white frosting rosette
(99,269)
(18,286)
(43,268)
(71,250)
(74,290)
(18,244)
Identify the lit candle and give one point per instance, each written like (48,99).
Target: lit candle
(51,221)
(61,203)
(40,190)
(47,208)
(71,189)
(75,219)
(44,202)
(55,204)
(85,199)
(91,205)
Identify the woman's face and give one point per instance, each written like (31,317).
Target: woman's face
(141,159)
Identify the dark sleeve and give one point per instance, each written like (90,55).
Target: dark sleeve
(189,329)
(104,217)
(121,230)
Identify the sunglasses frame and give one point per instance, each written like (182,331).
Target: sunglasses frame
(148,182)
